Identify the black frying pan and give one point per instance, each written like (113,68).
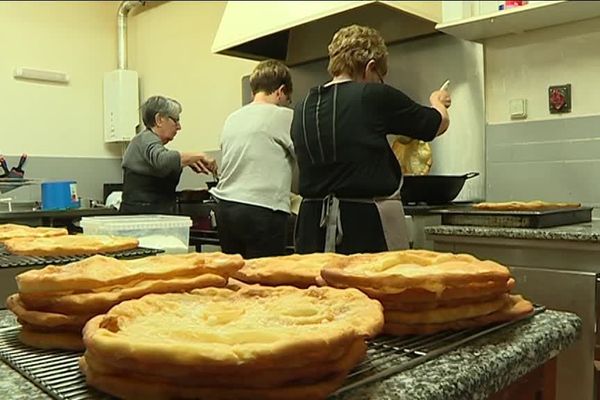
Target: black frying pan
(433,189)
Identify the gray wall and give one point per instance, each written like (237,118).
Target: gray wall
(553,160)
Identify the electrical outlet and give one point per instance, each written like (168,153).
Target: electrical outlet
(559,99)
(518,108)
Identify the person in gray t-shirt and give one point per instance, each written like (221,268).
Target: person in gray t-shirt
(257,160)
(151,172)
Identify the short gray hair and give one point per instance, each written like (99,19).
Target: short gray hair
(161,105)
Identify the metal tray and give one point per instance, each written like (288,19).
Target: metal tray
(515,219)
(57,372)
(8,260)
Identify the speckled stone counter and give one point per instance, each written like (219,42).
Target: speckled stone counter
(587,232)
(473,371)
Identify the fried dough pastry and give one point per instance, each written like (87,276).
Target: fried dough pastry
(446,314)
(69,245)
(249,378)
(128,388)
(257,327)
(54,340)
(14,304)
(414,156)
(396,271)
(300,270)
(97,272)
(102,299)
(516,308)
(10,231)
(536,205)
(418,297)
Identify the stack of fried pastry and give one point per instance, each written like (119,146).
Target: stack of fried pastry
(299,270)
(69,245)
(10,231)
(54,303)
(254,343)
(425,292)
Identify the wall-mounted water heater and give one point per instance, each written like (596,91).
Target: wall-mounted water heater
(121,105)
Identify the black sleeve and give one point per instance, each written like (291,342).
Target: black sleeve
(401,115)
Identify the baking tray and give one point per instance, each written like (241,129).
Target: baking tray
(57,372)
(515,219)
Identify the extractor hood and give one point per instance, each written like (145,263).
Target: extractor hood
(299,31)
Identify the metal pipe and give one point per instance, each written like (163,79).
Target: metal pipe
(122,13)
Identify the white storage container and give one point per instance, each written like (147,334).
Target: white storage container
(166,232)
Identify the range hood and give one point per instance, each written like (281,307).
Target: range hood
(299,31)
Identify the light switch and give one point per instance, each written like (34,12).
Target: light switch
(518,108)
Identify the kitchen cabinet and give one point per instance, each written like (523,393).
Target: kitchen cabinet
(516,20)
(558,267)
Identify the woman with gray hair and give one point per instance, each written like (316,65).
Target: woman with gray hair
(151,172)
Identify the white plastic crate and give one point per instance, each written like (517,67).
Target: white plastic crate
(170,233)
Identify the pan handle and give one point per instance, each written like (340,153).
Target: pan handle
(470,175)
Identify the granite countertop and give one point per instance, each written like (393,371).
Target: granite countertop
(586,232)
(473,371)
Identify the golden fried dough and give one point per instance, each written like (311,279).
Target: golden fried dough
(397,271)
(102,299)
(10,231)
(127,388)
(446,314)
(232,376)
(54,340)
(298,270)
(474,291)
(262,327)
(14,304)
(535,205)
(414,307)
(50,329)
(69,245)
(516,308)
(414,156)
(97,272)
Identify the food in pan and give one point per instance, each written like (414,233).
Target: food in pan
(414,156)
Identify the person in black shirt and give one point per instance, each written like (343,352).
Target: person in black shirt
(349,177)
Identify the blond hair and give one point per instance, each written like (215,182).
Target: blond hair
(352,47)
(269,75)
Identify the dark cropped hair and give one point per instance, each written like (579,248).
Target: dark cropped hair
(268,75)
(161,105)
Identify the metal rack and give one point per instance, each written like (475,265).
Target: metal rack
(11,260)
(57,372)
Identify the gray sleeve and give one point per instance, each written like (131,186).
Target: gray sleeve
(281,129)
(152,157)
